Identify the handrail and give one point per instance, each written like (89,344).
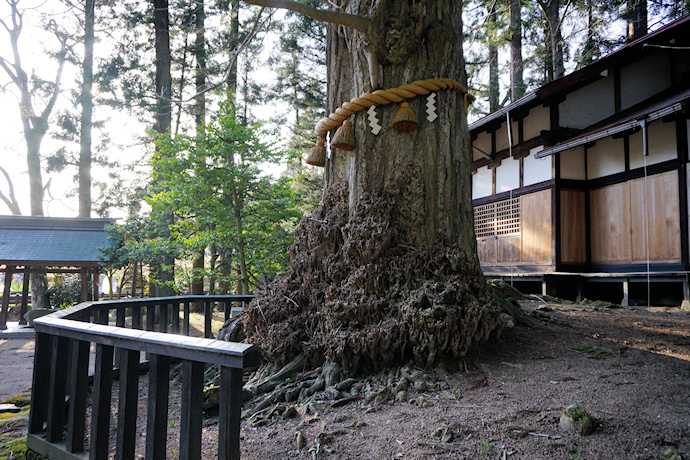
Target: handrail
(63,341)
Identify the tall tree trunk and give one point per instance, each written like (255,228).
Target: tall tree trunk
(517,84)
(494,88)
(234,42)
(395,226)
(554,18)
(165,271)
(548,54)
(198,264)
(636,16)
(86,112)
(433,161)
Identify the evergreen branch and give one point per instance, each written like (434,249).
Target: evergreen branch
(336,17)
(233,59)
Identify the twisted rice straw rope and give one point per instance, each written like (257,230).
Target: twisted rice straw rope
(383,97)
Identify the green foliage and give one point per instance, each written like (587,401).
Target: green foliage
(65,290)
(214,187)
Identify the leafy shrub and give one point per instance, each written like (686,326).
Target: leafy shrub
(65,290)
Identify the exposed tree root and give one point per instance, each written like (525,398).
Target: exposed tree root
(360,295)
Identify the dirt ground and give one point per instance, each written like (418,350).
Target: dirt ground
(632,373)
(630,368)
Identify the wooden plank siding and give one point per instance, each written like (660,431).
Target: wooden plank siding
(623,214)
(531,245)
(537,227)
(656,198)
(610,224)
(573,227)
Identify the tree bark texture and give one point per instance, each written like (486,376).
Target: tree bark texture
(517,83)
(494,88)
(433,162)
(161,20)
(554,21)
(385,272)
(86,112)
(637,19)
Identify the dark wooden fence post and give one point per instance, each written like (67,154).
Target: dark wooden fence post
(185,321)
(191,414)
(208,313)
(25,296)
(229,413)
(57,388)
(175,317)
(76,420)
(102,392)
(41,381)
(9,269)
(157,423)
(128,397)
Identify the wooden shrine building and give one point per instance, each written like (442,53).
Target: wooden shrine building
(49,245)
(590,181)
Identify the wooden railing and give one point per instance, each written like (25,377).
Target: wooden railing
(61,369)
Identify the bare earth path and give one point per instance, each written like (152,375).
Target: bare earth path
(637,383)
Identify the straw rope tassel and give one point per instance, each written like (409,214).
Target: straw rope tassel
(384,97)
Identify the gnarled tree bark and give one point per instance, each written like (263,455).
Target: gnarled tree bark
(385,270)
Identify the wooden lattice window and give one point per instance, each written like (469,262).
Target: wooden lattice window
(485,220)
(497,219)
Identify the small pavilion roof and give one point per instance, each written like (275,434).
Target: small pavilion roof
(52,241)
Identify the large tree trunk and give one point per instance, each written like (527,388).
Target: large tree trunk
(494,88)
(165,271)
(636,16)
(517,84)
(385,270)
(86,113)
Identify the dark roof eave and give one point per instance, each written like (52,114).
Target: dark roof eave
(596,68)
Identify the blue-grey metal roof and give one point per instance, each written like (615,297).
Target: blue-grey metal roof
(51,241)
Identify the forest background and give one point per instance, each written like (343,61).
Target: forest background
(190,121)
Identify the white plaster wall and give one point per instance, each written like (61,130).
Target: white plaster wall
(573,164)
(502,136)
(508,175)
(482,182)
(588,105)
(662,145)
(644,78)
(537,120)
(482,142)
(536,170)
(605,158)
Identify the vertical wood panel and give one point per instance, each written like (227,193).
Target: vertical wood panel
(508,249)
(610,224)
(656,206)
(486,250)
(536,227)
(573,244)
